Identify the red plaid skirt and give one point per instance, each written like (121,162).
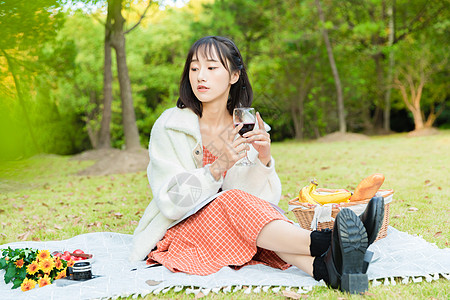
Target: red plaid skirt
(223,233)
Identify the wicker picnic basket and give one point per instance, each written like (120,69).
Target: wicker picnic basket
(305,212)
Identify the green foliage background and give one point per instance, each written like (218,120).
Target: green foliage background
(51,65)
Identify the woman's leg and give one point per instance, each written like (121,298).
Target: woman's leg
(284,237)
(303,262)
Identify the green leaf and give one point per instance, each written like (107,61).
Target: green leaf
(22,273)
(10,273)
(3,263)
(17,282)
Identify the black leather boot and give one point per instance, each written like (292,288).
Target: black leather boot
(373,217)
(344,259)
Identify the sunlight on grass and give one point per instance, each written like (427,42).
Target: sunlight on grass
(42,198)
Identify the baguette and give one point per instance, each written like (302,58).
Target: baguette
(368,187)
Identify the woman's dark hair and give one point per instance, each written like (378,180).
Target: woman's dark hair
(241,93)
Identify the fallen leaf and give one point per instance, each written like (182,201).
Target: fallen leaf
(291,295)
(199,295)
(133,222)
(97,224)
(2,211)
(413,209)
(35,238)
(23,236)
(152,282)
(3,234)
(438,234)
(58,227)
(324,168)
(118,215)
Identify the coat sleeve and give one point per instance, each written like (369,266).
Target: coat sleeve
(258,180)
(177,185)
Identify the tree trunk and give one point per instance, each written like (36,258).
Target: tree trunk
(418,118)
(298,118)
(104,140)
(378,114)
(337,80)
(118,43)
(22,101)
(387,95)
(90,116)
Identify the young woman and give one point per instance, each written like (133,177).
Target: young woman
(207,212)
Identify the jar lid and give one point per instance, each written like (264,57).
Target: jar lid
(81,264)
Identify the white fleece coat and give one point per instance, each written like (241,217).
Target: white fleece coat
(179,181)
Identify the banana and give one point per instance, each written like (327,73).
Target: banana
(305,193)
(310,195)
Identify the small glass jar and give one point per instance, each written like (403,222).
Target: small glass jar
(82,270)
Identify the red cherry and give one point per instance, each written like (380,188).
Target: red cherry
(78,251)
(66,257)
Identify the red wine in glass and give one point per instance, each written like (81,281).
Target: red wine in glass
(247,117)
(245,128)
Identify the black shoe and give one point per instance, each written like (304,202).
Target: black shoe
(373,217)
(344,259)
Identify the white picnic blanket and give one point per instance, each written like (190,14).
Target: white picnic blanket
(398,255)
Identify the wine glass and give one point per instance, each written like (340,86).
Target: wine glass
(246,116)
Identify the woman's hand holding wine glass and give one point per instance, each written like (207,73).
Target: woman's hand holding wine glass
(260,140)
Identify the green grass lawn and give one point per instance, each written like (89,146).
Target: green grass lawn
(42,199)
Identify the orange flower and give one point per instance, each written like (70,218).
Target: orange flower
(44,281)
(70,263)
(19,263)
(58,264)
(27,284)
(46,265)
(61,274)
(43,254)
(33,268)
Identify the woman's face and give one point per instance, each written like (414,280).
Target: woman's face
(209,79)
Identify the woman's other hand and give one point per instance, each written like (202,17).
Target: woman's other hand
(232,151)
(260,140)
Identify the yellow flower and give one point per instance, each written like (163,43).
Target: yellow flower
(58,264)
(61,274)
(33,268)
(27,284)
(46,265)
(43,254)
(19,263)
(44,281)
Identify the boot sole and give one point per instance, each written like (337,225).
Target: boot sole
(353,243)
(379,217)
